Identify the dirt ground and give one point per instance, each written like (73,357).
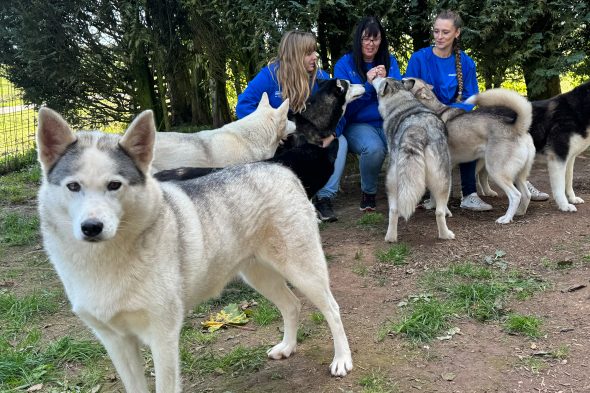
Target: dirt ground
(483,358)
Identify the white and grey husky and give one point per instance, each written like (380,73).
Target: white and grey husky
(134,254)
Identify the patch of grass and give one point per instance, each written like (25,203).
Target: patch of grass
(480,300)
(377,382)
(265,313)
(17,311)
(427,318)
(360,269)
(303,332)
(527,325)
(235,292)
(317,317)
(358,255)
(18,229)
(240,360)
(190,336)
(20,186)
(26,361)
(533,364)
(395,255)
(561,353)
(371,219)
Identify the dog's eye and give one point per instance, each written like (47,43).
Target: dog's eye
(114,185)
(73,186)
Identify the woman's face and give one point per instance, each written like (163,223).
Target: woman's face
(310,61)
(444,33)
(370,46)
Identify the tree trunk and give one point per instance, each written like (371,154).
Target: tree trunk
(201,112)
(420,32)
(539,88)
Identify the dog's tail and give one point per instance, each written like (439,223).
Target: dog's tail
(411,167)
(510,99)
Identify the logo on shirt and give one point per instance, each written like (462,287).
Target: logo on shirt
(452,75)
(278,94)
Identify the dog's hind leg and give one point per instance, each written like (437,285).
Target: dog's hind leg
(306,269)
(569,180)
(125,355)
(506,184)
(272,285)
(557,176)
(440,192)
(391,185)
(482,181)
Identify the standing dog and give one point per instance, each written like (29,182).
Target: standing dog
(418,156)
(134,254)
(561,131)
(503,144)
(253,138)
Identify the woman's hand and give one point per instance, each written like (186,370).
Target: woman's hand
(376,72)
(326,141)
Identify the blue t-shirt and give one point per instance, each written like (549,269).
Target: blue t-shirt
(442,74)
(266,81)
(365,108)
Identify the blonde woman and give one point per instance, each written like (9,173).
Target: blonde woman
(293,74)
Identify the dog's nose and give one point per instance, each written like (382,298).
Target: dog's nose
(92,227)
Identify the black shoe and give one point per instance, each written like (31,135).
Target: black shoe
(323,207)
(368,203)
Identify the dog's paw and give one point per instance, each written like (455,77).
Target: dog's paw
(575,200)
(447,236)
(504,220)
(281,351)
(390,238)
(448,212)
(341,366)
(567,207)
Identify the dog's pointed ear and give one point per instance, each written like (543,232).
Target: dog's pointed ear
(409,83)
(139,139)
(54,135)
(382,87)
(284,108)
(263,101)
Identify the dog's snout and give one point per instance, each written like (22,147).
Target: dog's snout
(92,228)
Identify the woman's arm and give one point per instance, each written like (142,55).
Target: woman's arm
(249,99)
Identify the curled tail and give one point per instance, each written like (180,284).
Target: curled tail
(411,177)
(509,99)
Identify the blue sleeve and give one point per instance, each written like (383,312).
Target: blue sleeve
(249,99)
(394,69)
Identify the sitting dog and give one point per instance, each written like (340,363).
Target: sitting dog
(253,138)
(135,255)
(418,156)
(484,134)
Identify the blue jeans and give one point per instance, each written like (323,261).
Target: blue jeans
(467,171)
(333,184)
(371,144)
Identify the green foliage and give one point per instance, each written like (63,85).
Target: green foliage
(377,382)
(240,360)
(527,325)
(371,219)
(18,229)
(20,186)
(395,255)
(265,313)
(427,318)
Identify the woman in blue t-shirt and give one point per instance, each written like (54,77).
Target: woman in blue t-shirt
(362,125)
(293,74)
(452,74)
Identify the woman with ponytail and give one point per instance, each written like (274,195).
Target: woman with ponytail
(452,74)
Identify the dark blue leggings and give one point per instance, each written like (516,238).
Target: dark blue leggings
(467,170)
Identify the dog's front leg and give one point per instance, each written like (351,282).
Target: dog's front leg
(124,353)
(569,180)
(164,344)
(557,177)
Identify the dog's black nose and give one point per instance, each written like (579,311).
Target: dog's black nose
(92,227)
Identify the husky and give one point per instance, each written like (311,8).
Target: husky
(418,156)
(302,152)
(561,131)
(252,138)
(504,146)
(134,254)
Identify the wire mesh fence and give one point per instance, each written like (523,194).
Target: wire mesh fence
(17,127)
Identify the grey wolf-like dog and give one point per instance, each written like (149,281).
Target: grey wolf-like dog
(418,156)
(135,255)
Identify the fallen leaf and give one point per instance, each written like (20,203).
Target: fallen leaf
(35,388)
(95,389)
(231,315)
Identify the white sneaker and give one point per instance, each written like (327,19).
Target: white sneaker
(536,195)
(474,202)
